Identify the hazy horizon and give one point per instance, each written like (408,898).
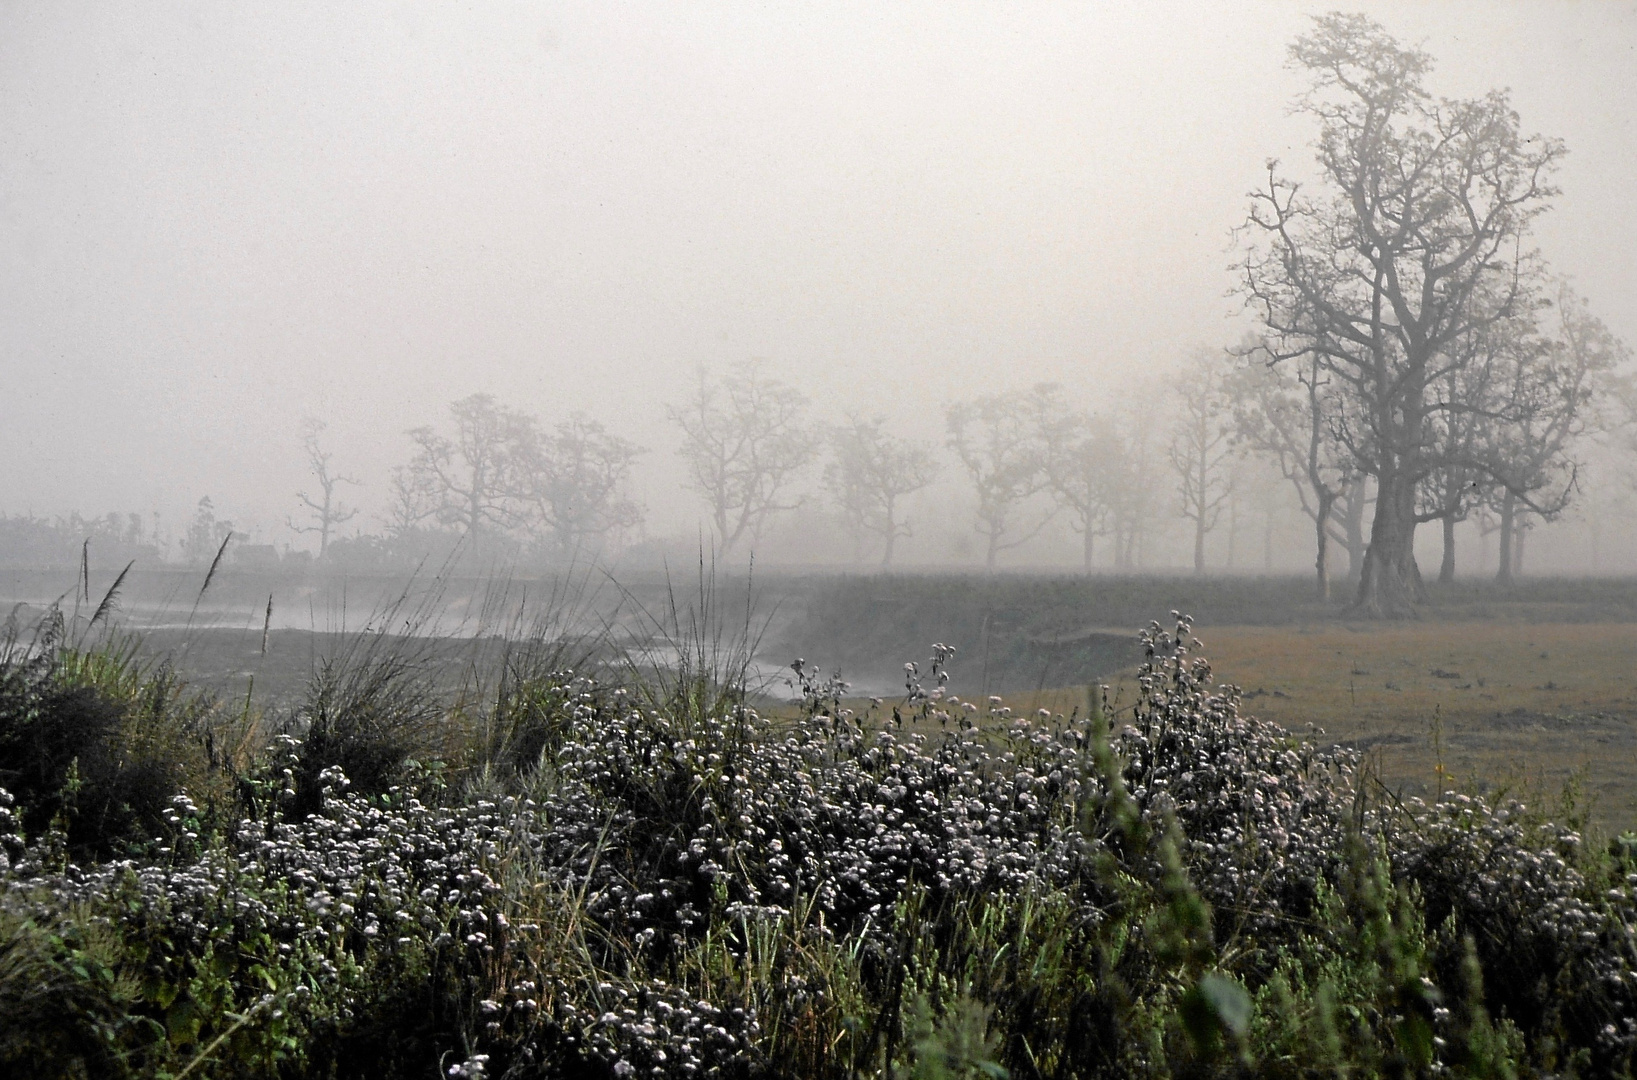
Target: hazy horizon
(217,220)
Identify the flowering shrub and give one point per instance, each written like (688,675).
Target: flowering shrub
(939,889)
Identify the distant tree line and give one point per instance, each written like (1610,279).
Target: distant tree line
(1415,363)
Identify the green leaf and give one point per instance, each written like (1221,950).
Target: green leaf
(1217,1006)
(1229,1001)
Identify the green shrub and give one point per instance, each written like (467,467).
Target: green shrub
(370,711)
(96,740)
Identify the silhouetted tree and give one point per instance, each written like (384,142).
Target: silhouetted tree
(574,481)
(468,481)
(868,473)
(1282,413)
(1202,447)
(1548,386)
(413,502)
(997,440)
(1415,238)
(744,441)
(327,511)
(1136,477)
(1083,459)
(205,533)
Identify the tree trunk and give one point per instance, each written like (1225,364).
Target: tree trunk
(1322,534)
(892,533)
(1354,524)
(1389,586)
(994,549)
(1086,565)
(1517,548)
(1199,544)
(1446,569)
(1267,540)
(1509,507)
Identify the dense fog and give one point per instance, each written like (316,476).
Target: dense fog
(379,282)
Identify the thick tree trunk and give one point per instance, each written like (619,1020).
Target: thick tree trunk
(892,534)
(1354,525)
(1267,540)
(1321,533)
(1446,569)
(723,536)
(994,550)
(1199,544)
(1086,565)
(1508,512)
(1390,585)
(1517,548)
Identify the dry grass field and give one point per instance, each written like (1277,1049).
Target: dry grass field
(1494,703)
(1515,705)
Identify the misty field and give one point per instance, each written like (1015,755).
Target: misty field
(1511,707)
(232,853)
(1493,703)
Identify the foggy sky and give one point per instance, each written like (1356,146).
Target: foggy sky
(217,218)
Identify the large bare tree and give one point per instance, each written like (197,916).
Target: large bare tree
(868,473)
(745,441)
(1415,236)
(326,509)
(467,481)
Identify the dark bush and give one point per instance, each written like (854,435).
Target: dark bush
(369,711)
(94,740)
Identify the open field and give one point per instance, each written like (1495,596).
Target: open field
(1537,681)
(1499,705)
(1490,701)
(1502,686)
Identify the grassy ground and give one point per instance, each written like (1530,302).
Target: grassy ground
(1490,702)
(1532,683)
(1511,705)
(1496,685)
(1021,633)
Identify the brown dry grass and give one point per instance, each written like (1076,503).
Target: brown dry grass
(1508,705)
(1492,702)
(1515,706)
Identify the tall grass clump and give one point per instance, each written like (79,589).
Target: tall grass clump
(94,739)
(665,876)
